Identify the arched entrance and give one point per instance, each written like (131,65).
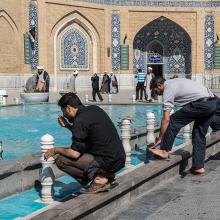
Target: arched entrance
(75,46)
(155,57)
(165,46)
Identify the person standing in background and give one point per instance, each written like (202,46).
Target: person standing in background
(140,84)
(147,82)
(105,83)
(95,87)
(113,83)
(43,80)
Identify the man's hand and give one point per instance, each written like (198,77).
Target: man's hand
(157,141)
(49,153)
(62,121)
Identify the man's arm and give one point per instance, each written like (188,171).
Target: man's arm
(164,124)
(68,152)
(63,122)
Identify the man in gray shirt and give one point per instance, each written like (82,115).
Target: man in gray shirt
(197,104)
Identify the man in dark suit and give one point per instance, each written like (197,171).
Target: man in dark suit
(95,87)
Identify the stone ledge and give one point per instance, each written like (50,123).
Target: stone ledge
(24,171)
(131,185)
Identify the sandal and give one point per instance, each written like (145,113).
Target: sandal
(96,188)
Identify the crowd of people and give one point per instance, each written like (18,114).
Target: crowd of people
(109,85)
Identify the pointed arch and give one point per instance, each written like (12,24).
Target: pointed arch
(8,43)
(173,37)
(10,21)
(85,24)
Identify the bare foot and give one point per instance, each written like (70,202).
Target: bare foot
(160,153)
(197,170)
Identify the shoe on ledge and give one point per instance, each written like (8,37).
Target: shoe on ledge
(96,188)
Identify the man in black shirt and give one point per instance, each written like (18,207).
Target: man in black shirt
(95,87)
(96,152)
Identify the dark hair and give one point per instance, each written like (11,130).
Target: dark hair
(69,99)
(139,70)
(155,81)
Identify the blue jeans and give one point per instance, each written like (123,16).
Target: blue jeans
(201,113)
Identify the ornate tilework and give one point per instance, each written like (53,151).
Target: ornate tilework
(33,23)
(209,41)
(74,50)
(176,45)
(184,3)
(115,41)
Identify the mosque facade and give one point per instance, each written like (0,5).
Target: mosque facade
(121,36)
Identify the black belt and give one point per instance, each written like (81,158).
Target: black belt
(205,99)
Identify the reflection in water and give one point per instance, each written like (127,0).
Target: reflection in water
(22,126)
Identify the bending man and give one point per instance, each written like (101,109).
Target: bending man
(197,104)
(96,152)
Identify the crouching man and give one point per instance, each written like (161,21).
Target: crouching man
(96,152)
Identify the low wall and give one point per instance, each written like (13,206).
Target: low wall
(83,82)
(62,82)
(21,174)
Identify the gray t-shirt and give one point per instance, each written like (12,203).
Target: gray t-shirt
(180,91)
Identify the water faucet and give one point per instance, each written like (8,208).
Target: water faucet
(1,150)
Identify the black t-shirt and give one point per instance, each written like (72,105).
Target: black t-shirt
(94,132)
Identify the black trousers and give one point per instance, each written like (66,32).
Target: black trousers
(215,120)
(139,89)
(94,92)
(75,168)
(201,113)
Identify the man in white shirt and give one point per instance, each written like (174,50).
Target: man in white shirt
(148,79)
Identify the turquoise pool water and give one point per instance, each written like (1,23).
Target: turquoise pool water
(21,127)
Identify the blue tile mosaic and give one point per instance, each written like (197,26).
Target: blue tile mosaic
(157,3)
(175,41)
(33,23)
(115,41)
(74,50)
(209,42)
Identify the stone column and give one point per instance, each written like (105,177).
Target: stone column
(109,98)
(133,98)
(209,131)
(125,137)
(86,98)
(47,176)
(150,127)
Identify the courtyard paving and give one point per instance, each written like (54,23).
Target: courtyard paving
(186,198)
